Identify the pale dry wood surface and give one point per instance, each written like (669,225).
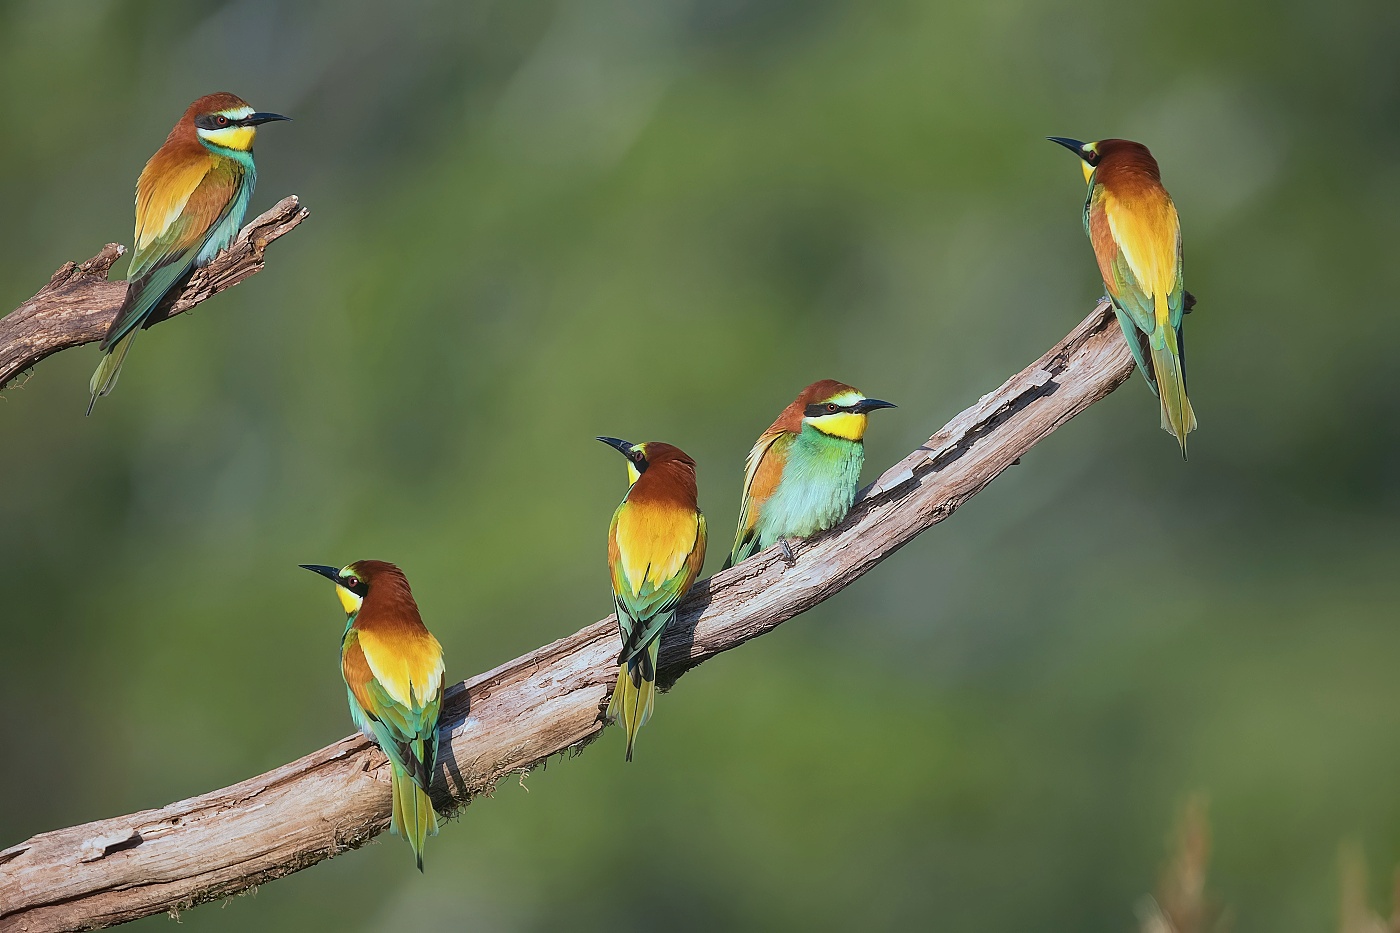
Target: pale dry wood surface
(547,702)
(79,303)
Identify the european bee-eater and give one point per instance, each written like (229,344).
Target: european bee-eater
(1136,234)
(801,476)
(394,678)
(656,546)
(190,202)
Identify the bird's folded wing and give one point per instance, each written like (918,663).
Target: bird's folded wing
(762,472)
(1139,253)
(165,187)
(653,540)
(172,225)
(405,661)
(407,734)
(644,612)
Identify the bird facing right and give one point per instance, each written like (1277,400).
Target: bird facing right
(190,202)
(801,476)
(1136,234)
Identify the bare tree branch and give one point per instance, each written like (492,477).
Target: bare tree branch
(78,304)
(542,704)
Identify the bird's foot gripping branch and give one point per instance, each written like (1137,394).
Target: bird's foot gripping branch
(79,303)
(544,703)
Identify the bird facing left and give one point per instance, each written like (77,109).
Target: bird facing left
(394,676)
(1135,231)
(190,202)
(656,547)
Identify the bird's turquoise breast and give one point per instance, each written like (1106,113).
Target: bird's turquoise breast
(817,487)
(226,230)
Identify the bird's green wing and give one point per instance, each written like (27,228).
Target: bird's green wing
(1137,341)
(406,733)
(1177,300)
(408,737)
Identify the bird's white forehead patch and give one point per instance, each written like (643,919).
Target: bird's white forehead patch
(238,113)
(847,398)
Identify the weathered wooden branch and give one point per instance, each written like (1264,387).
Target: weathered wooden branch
(79,303)
(549,701)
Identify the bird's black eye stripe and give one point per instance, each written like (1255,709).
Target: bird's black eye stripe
(639,460)
(820,409)
(212,121)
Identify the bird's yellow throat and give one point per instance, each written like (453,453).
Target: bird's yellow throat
(847,425)
(349,600)
(238,138)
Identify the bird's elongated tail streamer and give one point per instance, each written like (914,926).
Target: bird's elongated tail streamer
(104,378)
(634,698)
(1177,415)
(413,815)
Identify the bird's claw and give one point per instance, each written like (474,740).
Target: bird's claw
(259,244)
(788,557)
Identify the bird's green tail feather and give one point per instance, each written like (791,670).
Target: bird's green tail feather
(634,698)
(1177,416)
(105,377)
(414,817)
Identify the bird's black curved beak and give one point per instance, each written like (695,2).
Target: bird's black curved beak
(621,446)
(253,119)
(1073,145)
(330,573)
(870,404)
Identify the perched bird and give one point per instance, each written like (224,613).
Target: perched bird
(1136,234)
(656,546)
(190,202)
(394,677)
(801,476)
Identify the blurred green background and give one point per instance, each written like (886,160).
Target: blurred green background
(658,219)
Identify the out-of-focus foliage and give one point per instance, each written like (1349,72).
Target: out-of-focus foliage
(1180,904)
(537,222)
